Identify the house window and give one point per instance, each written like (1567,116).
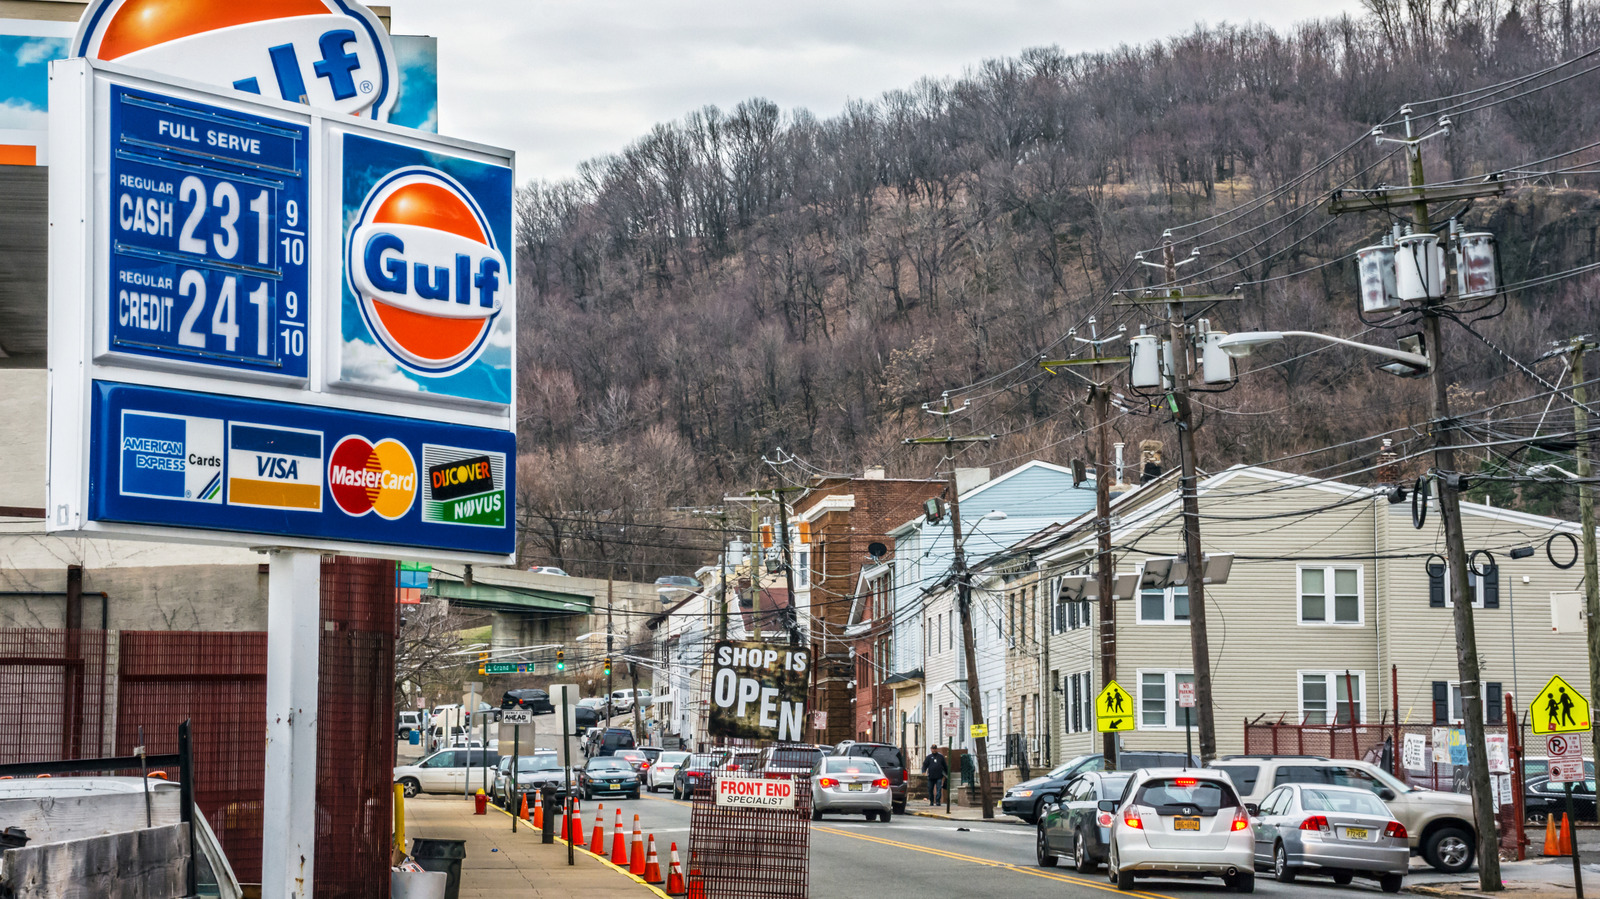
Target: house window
(1087,701)
(1169,606)
(1447,703)
(1330,595)
(1079,699)
(1158,698)
(1485,590)
(1320,690)
(802,569)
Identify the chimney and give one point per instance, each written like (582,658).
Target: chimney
(875,473)
(1150,458)
(1388,470)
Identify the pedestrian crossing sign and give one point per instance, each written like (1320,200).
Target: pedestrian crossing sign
(1113,710)
(1559,709)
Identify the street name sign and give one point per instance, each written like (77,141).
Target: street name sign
(1113,709)
(1559,709)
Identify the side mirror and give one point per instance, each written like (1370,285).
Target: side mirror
(1107,805)
(1252,809)
(1385,794)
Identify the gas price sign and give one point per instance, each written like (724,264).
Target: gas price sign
(208,235)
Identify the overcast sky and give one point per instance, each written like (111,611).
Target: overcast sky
(561,81)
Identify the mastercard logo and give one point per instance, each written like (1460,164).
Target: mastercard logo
(332,54)
(376,477)
(428,276)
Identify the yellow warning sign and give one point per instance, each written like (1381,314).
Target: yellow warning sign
(1559,709)
(1113,709)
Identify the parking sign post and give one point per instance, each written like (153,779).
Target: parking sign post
(1186,700)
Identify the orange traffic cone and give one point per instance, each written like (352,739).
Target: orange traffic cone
(538,810)
(1551,846)
(597,843)
(636,860)
(572,827)
(1566,835)
(523,812)
(619,843)
(652,864)
(675,885)
(697,884)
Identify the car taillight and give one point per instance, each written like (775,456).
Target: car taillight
(1132,820)
(881,783)
(1315,822)
(1241,819)
(1103,819)
(1395,829)
(905,776)
(828,782)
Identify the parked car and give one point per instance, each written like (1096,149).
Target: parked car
(1180,822)
(621,701)
(633,757)
(405,723)
(1073,825)
(533,772)
(445,771)
(609,740)
(1541,799)
(651,752)
(851,783)
(663,770)
(548,569)
(789,760)
(889,759)
(1027,799)
(695,772)
(741,760)
(678,580)
(1438,824)
(536,701)
(597,709)
(1339,832)
(608,774)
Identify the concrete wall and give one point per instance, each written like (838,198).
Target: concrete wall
(22,451)
(137,864)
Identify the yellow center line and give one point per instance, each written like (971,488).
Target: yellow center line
(990,863)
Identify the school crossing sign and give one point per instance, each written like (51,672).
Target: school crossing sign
(1113,710)
(1559,709)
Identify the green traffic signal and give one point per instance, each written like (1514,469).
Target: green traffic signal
(561,660)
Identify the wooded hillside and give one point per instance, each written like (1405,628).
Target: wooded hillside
(748,279)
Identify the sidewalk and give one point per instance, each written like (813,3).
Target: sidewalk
(499,860)
(922,809)
(1535,878)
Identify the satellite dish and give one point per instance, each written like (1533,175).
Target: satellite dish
(877,551)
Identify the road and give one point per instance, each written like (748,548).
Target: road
(930,857)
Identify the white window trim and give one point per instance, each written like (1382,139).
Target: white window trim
(1327,608)
(1475,582)
(1454,701)
(1172,715)
(1331,679)
(1167,600)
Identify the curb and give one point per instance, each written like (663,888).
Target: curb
(601,859)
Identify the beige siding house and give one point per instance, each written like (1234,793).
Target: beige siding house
(1329,590)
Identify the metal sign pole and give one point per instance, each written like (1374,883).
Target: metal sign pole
(1188,738)
(513,786)
(289,809)
(1572,819)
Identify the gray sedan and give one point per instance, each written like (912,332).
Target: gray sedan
(850,783)
(1342,832)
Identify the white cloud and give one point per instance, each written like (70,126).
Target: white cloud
(561,82)
(33,52)
(20,115)
(366,364)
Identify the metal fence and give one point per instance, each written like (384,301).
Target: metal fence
(53,689)
(748,853)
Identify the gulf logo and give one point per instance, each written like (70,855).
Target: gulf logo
(332,54)
(366,476)
(425,269)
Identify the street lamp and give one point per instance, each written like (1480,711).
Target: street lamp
(1406,364)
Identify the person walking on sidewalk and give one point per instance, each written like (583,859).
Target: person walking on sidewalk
(936,770)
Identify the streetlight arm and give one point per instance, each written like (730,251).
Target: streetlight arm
(1242,343)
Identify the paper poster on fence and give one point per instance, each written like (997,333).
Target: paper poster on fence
(1499,754)
(1441,745)
(1414,752)
(759,690)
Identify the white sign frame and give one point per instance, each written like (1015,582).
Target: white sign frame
(762,794)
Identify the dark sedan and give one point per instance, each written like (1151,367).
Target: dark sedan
(536,701)
(695,773)
(1027,800)
(608,774)
(1074,827)
(1541,798)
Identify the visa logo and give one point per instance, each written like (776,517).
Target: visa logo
(277,468)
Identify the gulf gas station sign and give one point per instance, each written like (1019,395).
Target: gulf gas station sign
(274,323)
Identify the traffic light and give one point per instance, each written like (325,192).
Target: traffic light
(483,659)
(607,671)
(561,660)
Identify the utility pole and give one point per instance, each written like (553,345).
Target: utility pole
(1448,481)
(792,615)
(638,716)
(1591,568)
(609,642)
(964,599)
(1199,643)
(755,568)
(1105,577)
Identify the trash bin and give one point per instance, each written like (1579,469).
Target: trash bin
(442,855)
(414,737)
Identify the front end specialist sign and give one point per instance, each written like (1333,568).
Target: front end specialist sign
(274,323)
(754,792)
(759,690)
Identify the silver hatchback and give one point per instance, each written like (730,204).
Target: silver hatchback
(1333,831)
(850,783)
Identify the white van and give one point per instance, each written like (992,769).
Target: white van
(623,700)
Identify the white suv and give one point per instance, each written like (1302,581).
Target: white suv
(1438,824)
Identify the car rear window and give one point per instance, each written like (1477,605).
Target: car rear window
(1243,776)
(609,763)
(1168,795)
(885,756)
(1112,787)
(850,764)
(794,758)
(1302,774)
(1349,802)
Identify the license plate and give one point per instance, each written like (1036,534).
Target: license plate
(1185,823)
(616,783)
(855,787)
(1355,833)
